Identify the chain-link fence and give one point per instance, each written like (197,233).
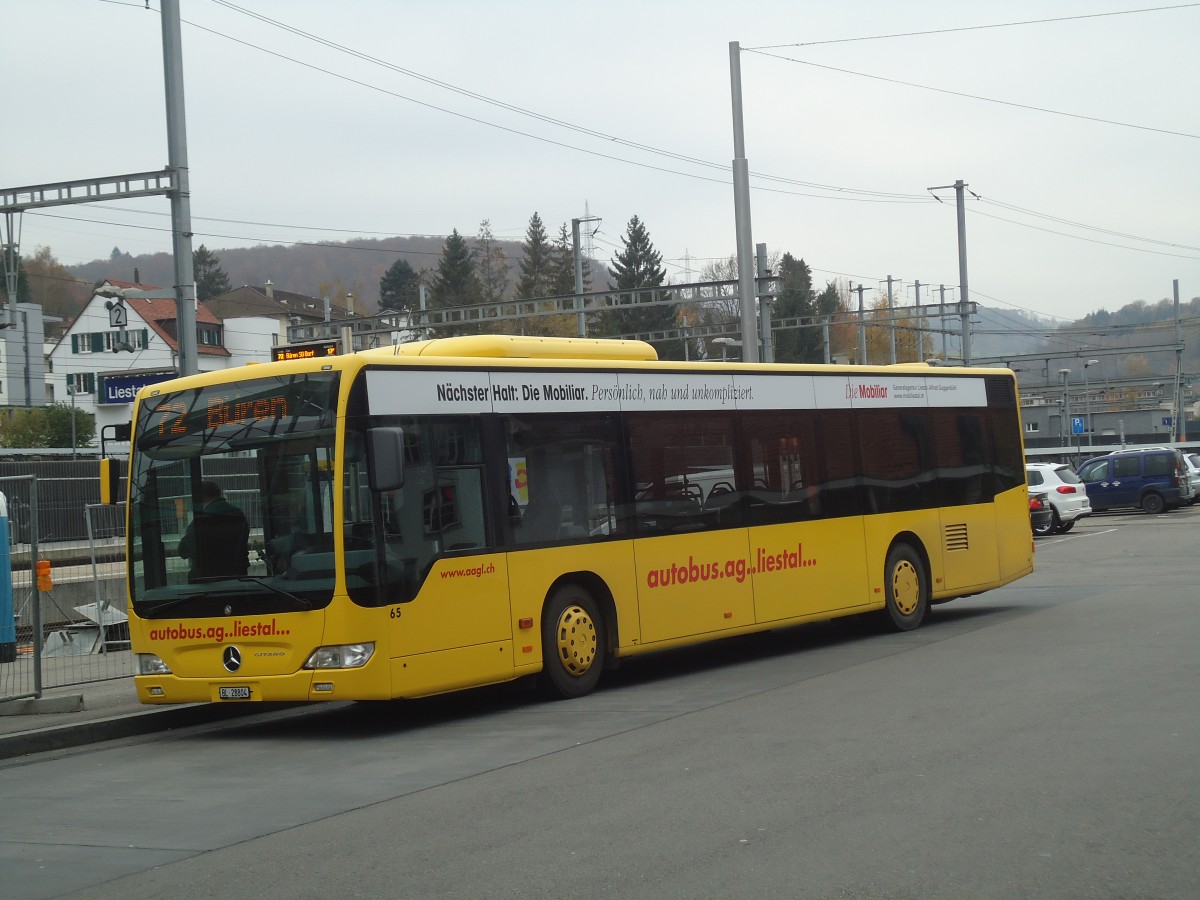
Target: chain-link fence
(20,610)
(70,622)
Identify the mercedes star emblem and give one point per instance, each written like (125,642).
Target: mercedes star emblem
(232,659)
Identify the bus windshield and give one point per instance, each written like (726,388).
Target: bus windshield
(231,498)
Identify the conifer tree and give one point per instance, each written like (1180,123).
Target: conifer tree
(535,261)
(492,264)
(454,280)
(796,299)
(639,265)
(211,279)
(399,286)
(562,281)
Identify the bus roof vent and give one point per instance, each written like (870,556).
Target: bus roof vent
(503,346)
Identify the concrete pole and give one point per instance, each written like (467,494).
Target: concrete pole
(764,306)
(181,196)
(12,262)
(1180,412)
(423,302)
(577,253)
(741,211)
(891,322)
(920,332)
(862,327)
(942,302)
(963,309)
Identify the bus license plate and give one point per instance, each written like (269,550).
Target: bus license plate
(233,693)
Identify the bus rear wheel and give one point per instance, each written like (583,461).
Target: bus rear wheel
(905,588)
(573,643)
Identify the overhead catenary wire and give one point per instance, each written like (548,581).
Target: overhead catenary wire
(963,94)
(839,192)
(685,158)
(962,28)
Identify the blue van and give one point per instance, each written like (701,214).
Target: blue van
(1154,479)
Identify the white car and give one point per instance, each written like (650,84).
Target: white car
(1192,461)
(1066,493)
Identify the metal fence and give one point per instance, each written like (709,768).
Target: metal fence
(77,630)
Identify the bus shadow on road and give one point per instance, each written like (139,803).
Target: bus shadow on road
(338,721)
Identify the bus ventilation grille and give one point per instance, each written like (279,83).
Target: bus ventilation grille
(956,537)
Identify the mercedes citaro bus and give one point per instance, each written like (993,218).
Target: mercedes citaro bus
(472,510)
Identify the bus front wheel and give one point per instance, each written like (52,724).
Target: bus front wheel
(906,588)
(573,643)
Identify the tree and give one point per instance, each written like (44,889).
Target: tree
(492,264)
(49,426)
(58,425)
(53,286)
(879,332)
(725,309)
(536,262)
(562,268)
(454,279)
(833,304)
(344,296)
(211,279)
(560,282)
(639,265)
(796,300)
(399,288)
(22,280)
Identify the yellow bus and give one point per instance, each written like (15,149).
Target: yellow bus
(407,521)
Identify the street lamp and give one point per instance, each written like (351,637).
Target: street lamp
(71,394)
(726,343)
(1065,418)
(1087,398)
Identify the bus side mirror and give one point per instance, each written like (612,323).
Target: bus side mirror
(385,458)
(110,480)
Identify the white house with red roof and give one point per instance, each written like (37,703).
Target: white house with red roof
(99,366)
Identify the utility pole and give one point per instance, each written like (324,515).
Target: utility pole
(963,297)
(741,210)
(1180,428)
(942,303)
(920,334)
(577,251)
(891,322)
(181,195)
(764,304)
(862,326)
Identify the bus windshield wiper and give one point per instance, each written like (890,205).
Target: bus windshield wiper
(300,602)
(156,611)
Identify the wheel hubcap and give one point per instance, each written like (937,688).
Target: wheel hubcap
(576,639)
(906,588)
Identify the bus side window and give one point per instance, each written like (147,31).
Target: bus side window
(561,478)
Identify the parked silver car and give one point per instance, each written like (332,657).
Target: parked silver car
(1066,493)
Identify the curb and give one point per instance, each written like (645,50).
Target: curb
(76,734)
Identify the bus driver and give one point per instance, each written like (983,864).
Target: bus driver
(215,542)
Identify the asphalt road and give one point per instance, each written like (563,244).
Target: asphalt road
(1040,741)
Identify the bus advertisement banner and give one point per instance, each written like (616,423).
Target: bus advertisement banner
(409,392)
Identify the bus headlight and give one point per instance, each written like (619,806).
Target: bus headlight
(340,656)
(150,664)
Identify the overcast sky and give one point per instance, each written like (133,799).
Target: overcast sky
(288,131)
